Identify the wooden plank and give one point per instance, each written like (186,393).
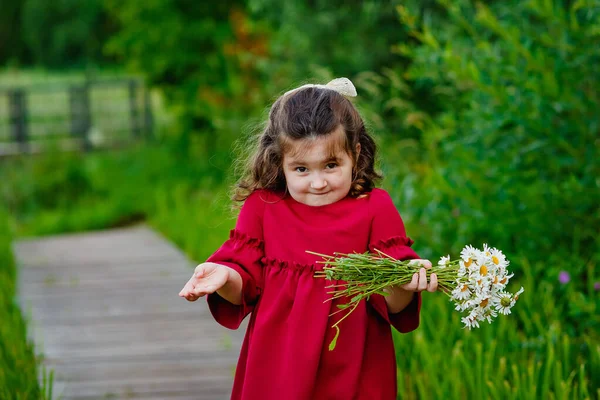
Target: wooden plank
(60,307)
(96,333)
(128,281)
(127,245)
(50,274)
(105,313)
(204,388)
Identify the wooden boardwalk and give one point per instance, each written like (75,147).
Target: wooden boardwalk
(104,310)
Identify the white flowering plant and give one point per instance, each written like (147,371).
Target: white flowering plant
(476,282)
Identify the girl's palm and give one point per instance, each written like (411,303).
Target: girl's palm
(207,278)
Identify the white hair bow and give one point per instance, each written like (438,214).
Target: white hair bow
(341,85)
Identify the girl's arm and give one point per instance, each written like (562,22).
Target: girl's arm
(397,299)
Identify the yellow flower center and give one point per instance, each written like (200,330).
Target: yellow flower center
(483,270)
(468,263)
(495,279)
(495,260)
(464,288)
(503,281)
(484,303)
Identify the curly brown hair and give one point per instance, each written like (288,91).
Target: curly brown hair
(307,113)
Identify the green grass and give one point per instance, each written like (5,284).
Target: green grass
(18,365)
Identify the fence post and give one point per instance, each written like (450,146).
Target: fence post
(148,117)
(18,118)
(79,101)
(133,109)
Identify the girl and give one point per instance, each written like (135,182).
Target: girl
(310,186)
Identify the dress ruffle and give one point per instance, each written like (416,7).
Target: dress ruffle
(277,263)
(396,241)
(245,240)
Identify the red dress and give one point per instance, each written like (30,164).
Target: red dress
(285,352)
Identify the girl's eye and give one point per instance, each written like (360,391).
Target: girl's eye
(301,169)
(331,165)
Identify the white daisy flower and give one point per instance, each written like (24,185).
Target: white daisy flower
(503,303)
(498,258)
(461,292)
(484,257)
(468,255)
(471,320)
(444,261)
(462,306)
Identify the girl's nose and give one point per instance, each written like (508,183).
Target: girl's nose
(318,183)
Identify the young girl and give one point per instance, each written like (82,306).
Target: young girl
(310,186)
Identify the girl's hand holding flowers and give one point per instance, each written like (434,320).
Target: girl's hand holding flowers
(419,282)
(399,296)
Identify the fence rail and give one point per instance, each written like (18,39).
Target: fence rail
(85,115)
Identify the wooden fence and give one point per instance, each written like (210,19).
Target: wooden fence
(86,115)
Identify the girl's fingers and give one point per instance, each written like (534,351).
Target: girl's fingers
(203,290)
(422,280)
(199,271)
(187,288)
(433,283)
(412,286)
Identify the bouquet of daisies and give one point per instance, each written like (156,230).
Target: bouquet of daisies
(476,282)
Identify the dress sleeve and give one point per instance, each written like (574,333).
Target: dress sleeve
(389,236)
(242,252)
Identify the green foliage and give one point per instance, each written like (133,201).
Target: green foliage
(10,15)
(510,155)
(200,65)
(344,38)
(63,33)
(66,192)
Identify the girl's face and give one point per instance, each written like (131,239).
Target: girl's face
(319,171)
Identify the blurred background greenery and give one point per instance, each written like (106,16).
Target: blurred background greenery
(487,116)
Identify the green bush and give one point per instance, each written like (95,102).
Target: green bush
(201,67)
(63,33)
(511,155)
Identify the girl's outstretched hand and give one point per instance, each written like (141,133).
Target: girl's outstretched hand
(419,280)
(207,278)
